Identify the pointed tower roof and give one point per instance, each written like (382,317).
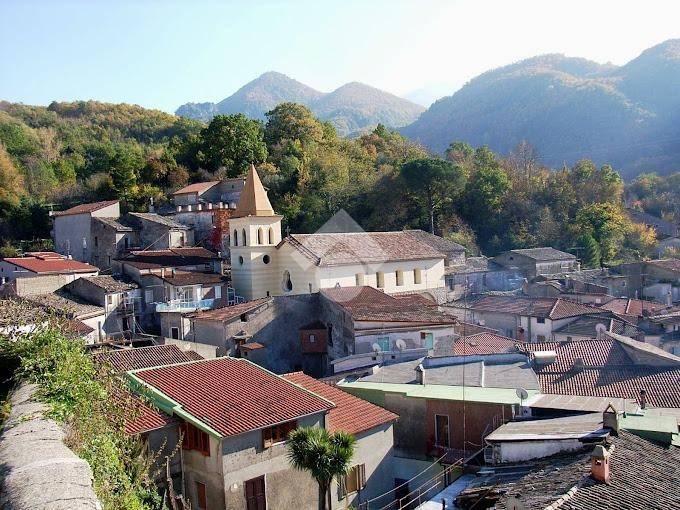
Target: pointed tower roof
(254,200)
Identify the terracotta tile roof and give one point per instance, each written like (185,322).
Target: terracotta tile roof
(668,264)
(351,414)
(50,263)
(175,257)
(632,307)
(114,223)
(197,187)
(159,220)
(438,243)
(146,417)
(484,343)
(370,304)
(586,326)
(85,208)
(331,249)
(468,329)
(608,371)
(123,360)
(192,278)
(644,474)
(231,395)
(549,308)
(111,283)
(228,313)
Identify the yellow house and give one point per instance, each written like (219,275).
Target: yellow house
(263,264)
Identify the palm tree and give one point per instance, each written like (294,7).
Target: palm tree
(324,455)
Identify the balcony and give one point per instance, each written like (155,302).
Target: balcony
(184,306)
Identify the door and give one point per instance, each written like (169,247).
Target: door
(428,340)
(442,430)
(255,494)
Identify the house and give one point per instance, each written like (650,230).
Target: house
(41,272)
(72,231)
(632,310)
(478,275)
(662,329)
(158,430)
(372,472)
(112,238)
(124,310)
(160,232)
(592,326)
(653,279)
(212,194)
(446,404)
(532,262)
(364,320)
(19,316)
(234,453)
(599,474)
(188,290)
(145,262)
(523,318)
(264,264)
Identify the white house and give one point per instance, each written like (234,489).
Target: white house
(264,264)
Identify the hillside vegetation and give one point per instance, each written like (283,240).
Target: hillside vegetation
(569,108)
(351,109)
(70,153)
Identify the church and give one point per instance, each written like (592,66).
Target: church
(263,263)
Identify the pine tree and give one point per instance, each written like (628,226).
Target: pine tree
(591,251)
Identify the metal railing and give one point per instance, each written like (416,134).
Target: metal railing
(176,305)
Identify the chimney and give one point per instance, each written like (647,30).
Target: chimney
(420,374)
(179,208)
(643,398)
(162,272)
(610,419)
(152,209)
(599,464)
(669,298)
(578,366)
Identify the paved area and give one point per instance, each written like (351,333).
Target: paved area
(449,494)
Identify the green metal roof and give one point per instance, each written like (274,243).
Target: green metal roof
(439,392)
(655,427)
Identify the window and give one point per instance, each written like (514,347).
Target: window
(235,238)
(540,320)
(441,430)
(271,235)
(266,259)
(174,333)
(201,500)
(400,277)
(355,479)
(109,299)
(428,339)
(359,279)
(260,236)
(195,439)
(312,338)
(148,296)
(380,279)
(240,260)
(286,283)
(256,498)
(277,433)
(244,241)
(96,241)
(383,342)
(417,276)
(218,292)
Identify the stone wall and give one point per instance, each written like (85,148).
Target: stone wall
(45,284)
(38,470)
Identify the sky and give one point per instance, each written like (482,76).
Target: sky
(163,53)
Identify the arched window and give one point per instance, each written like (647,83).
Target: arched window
(271,235)
(244,242)
(286,284)
(235,238)
(260,236)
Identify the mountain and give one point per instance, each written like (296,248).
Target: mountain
(569,108)
(352,108)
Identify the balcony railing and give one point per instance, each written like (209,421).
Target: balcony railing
(184,306)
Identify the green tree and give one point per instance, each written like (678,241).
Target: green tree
(125,166)
(434,182)
(590,250)
(460,153)
(292,121)
(323,455)
(233,142)
(607,224)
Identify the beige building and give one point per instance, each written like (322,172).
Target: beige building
(264,264)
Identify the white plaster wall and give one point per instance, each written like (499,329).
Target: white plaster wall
(518,451)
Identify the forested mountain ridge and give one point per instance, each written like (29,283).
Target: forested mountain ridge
(569,108)
(351,108)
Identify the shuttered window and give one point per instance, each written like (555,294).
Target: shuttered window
(255,494)
(277,433)
(355,479)
(195,439)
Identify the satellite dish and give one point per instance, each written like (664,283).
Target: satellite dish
(400,344)
(521,393)
(600,329)
(376,348)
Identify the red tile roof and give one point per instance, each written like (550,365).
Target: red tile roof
(370,304)
(85,208)
(632,307)
(123,360)
(228,313)
(608,371)
(146,418)
(231,395)
(197,187)
(351,414)
(550,308)
(50,263)
(484,343)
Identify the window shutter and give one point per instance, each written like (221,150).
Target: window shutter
(362,475)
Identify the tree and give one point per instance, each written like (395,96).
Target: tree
(233,142)
(324,455)
(607,224)
(11,181)
(591,251)
(292,121)
(434,181)
(460,153)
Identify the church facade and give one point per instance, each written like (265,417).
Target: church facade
(265,264)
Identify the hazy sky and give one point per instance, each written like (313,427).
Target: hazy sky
(164,53)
